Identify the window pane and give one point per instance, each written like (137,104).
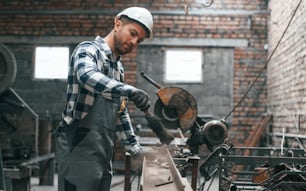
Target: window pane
(51,62)
(183,66)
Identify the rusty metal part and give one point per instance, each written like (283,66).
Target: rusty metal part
(254,138)
(178,104)
(168,116)
(127,172)
(182,102)
(162,174)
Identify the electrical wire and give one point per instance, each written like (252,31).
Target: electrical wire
(266,63)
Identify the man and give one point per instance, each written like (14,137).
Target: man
(96,105)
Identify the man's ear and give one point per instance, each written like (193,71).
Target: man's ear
(117,22)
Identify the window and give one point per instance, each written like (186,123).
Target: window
(51,62)
(183,66)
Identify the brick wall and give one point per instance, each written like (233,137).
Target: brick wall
(27,22)
(287,68)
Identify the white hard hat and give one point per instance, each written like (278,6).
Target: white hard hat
(140,15)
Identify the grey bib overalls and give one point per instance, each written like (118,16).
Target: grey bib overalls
(90,148)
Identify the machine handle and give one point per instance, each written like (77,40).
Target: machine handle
(145,76)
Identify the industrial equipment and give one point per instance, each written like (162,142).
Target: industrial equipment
(18,128)
(160,172)
(256,168)
(177,109)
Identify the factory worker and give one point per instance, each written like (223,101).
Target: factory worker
(96,101)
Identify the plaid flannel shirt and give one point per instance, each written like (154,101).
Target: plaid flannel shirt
(92,72)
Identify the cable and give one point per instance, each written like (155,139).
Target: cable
(266,63)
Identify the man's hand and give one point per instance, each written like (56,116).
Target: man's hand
(141,99)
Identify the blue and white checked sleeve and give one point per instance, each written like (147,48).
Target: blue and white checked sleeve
(125,133)
(91,77)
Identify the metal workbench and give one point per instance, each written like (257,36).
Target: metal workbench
(256,168)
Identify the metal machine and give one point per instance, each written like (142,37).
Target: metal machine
(18,128)
(160,173)
(255,168)
(177,109)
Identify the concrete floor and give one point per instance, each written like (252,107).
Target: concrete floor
(117,184)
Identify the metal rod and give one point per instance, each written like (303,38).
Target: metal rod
(127,174)
(145,76)
(195,171)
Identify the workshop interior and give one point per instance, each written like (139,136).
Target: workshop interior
(227,80)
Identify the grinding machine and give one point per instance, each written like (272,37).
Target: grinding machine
(177,110)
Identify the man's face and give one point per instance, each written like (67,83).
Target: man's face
(127,36)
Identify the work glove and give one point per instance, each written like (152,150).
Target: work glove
(141,99)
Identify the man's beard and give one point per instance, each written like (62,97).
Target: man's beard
(119,47)
(121,50)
